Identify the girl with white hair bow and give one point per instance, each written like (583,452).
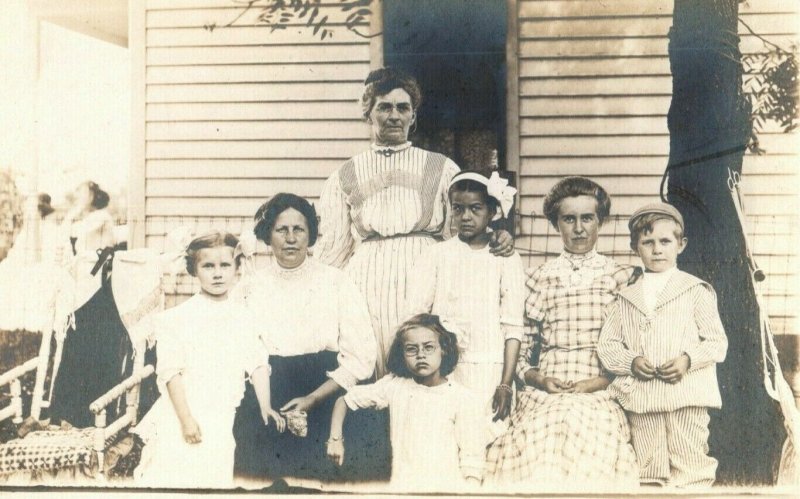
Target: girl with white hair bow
(462,282)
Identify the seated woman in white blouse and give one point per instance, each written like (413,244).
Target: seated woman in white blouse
(319,337)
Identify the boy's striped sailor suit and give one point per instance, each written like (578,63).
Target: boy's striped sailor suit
(669,422)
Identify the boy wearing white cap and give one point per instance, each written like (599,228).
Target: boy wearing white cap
(662,338)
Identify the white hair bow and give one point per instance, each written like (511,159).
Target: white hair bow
(498,188)
(248,244)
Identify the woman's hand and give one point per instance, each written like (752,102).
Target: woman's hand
(270,413)
(501,404)
(591,385)
(550,385)
(305,404)
(501,243)
(191,431)
(555,385)
(335,451)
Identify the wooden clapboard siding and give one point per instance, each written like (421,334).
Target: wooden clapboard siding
(235,114)
(594,90)
(240,168)
(258,73)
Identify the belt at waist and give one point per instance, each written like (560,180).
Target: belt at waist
(378,237)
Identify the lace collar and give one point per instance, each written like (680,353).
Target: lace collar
(389,150)
(574,271)
(591,259)
(289,274)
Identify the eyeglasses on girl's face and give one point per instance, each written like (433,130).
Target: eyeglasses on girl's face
(413,350)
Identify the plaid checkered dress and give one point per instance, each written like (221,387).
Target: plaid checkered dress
(553,437)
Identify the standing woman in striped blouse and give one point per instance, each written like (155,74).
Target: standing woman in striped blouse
(385,205)
(567,430)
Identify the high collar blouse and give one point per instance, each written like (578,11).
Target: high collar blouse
(383,192)
(310,309)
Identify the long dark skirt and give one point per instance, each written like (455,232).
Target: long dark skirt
(263,452)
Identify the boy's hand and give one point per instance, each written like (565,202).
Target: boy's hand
(674,370)
(501,243)
(501,404)
(191,432)
(335,451)
(270,413)
(642,369)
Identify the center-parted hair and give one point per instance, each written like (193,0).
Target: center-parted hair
(573,187)
(213,239)
(384,80)
(268,212)
(396,362)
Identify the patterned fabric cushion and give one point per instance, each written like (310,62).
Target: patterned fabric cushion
(48,450)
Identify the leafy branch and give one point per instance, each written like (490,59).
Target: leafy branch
(278,14)
(770,81)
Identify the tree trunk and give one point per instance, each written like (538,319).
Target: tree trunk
(709,123)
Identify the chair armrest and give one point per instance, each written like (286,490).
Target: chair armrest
(16,372)
(12,378)
(110,396)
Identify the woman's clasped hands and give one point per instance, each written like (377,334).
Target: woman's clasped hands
(553,385)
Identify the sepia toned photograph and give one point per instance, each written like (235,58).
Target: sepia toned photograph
(400,247)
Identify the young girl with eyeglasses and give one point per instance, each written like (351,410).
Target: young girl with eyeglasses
(435,447)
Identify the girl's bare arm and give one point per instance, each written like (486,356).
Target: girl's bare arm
(260,380)
(177,394)
(335,447)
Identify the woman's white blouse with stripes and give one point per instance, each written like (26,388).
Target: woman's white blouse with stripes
(377,213)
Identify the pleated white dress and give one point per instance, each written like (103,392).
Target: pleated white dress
(378,212)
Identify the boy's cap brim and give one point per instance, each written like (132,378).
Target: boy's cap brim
(656,208)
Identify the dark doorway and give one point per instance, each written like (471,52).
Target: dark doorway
(456,49)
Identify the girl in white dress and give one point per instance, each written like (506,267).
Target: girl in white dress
(462,282)
(435,447)
(205,347)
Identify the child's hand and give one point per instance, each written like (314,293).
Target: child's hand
(555,385)
(473,482)
(191,431)
(335,451)
(501,404)
(501,243)
(280,422)
(642,369)
(674,370)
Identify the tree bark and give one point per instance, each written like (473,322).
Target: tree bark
(710,125)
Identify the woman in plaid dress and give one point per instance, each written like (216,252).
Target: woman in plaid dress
(566,426)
